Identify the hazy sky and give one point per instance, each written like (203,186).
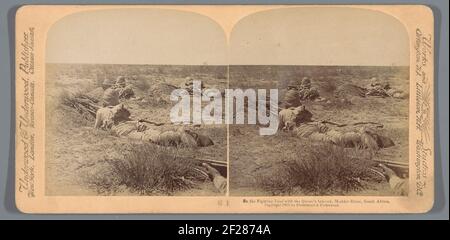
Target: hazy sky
(296,36)
(137,36)
(325,36)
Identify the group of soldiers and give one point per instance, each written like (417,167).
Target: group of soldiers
(299,91)
(294,117)
(376,88)
(116,90)
(114,116)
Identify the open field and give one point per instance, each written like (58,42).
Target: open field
(78,155)
(254,159)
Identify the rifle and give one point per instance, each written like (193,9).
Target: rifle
(400,167)
(221,166)
(378,125)
(151,122)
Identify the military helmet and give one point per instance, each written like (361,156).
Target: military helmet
(107,83)
(188,81)
(120,80)
(306,81)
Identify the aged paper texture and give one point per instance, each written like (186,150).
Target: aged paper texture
(224,109)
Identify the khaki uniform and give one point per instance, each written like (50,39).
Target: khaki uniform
(157,136)
(110,97)
(291,99)
(126,92)
(364,138)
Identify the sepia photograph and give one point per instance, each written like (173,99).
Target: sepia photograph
(109,79)
(343,81)
(224,109)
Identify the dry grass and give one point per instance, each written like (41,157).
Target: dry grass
(141,83)
(320,169)
(326,88)
(146,170)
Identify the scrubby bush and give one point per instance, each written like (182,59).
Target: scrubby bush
(319,169)
(83,104)
(339,104)
(327,86)
(142,83)
(146,169)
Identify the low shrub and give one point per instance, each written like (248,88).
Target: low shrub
(319,169)
(146,169)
